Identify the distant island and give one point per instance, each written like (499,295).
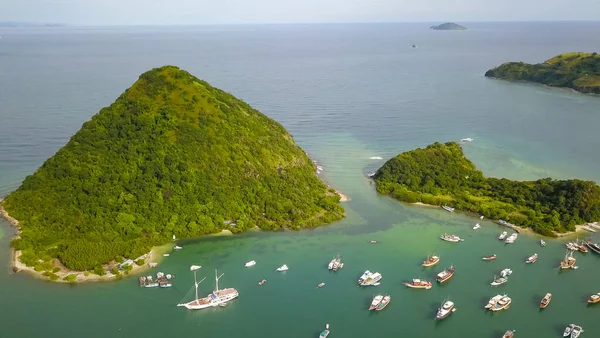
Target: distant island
(578,71)
(440,174)
(449,26)
(17,24)
(171,157)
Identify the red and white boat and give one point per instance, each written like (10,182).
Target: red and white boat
(216,298)
(489,258)
(419,284)
(531,259)
(431,261)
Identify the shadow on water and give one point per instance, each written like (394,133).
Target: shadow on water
(536,299)
(559,329)
(433,308)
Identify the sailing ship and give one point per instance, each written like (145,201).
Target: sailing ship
(445,310)
(375,302)
(215,298)
(450,238)
(489,258)
(509,334)
(384,302)
(502,235)
(595,298)
(545,301)
(531,259)
(447,208)
(499,303)
(446,274)
(419,284)
(370,278)
(431,261)
(569,261)
(325,332)
(498,281)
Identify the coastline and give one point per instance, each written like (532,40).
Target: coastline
(568,89)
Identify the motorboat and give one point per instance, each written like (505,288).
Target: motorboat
(335,263)
(542,242)
(320,285)
(572,246)
(445,310)
(595,298)
(512,238)
(568,330)
(419,284)
(489,258)
(509,334)
(431,261)
(531,259)
(476,226)
(166,255)
(576,331)
(177,247)
(451,238)
(375,302)
(447,208)
(545,301)
(262,282)
(503,235)
(385,302)
(498,281)
(325,332)
(499,303)
(373,241)
(468,139)
(283,268)
(251,263)
(445,275)
(506,272)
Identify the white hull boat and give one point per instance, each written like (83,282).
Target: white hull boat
(282,268)
(251,263)
(215,298)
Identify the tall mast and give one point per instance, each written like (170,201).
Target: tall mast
(216,281)
(196,284)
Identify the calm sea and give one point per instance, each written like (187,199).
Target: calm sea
(347,93)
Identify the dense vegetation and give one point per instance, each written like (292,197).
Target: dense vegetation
(171,156)
(579,71)
(441,175)
(449,26)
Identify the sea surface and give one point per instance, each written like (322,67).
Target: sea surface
(347,93)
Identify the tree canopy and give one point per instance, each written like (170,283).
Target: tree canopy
(171,156)
(440,174)
(579,71)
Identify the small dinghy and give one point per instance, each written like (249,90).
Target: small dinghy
(545,301)
(489,258)
(177,247)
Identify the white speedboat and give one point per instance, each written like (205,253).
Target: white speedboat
(251,263)
(370,278)
(502,235)
(568,330)
(531,259)
(576,331)
(445,310)
(542,242)
(325,332)
(451,238)
(468,139)
(375,302)
(506,272)
(283,268)
(177,247)
(476,226)
(165,255)
(512,238)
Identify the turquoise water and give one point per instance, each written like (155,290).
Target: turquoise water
(346,93)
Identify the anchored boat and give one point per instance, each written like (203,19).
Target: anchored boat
(251,263)
(215,298)
(282,268)
(498,281)
(447,208)
(545,301)
(445,310)
(489,258)
(375,302)
(431,261)
(503,235)
(445,275)
(506,272)
(531,259)
(499,303)
(509,334)
(569,261)
(370,278)
(451,238)
(419,284)
(325,332)
(384,302)
(595,298)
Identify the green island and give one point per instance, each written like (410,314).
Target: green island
(440,174)
(578,71)
(171,156)
(449,26)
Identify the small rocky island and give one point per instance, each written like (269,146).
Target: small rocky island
(171,157)
(578,71)
(440,174)
(449,26)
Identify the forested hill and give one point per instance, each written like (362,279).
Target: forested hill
(171,156)
(579,71)
(441,175)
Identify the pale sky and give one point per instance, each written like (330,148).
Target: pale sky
(186,12)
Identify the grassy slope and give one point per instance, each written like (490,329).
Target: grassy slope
(172,155)
(579,71)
